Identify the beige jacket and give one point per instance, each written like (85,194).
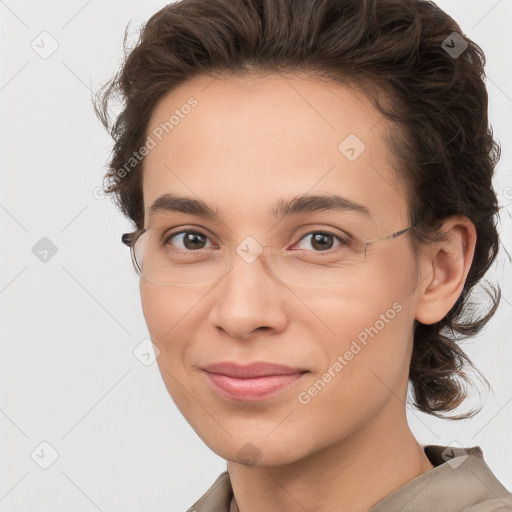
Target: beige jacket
(461,481)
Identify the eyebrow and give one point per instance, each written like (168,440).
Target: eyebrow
(282,208)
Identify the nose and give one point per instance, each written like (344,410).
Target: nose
(249,299)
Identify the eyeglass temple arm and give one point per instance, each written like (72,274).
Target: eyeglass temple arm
(392,235)
(128,238)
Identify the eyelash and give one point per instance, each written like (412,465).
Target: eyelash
(341,241)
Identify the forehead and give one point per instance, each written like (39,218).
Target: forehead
(239,143)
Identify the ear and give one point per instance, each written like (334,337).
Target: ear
(444,267)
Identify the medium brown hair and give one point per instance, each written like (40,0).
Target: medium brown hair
(436,99)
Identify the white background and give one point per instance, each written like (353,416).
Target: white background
(69,326)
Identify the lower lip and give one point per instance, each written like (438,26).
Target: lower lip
(253,389)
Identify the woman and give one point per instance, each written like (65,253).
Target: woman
(310,183)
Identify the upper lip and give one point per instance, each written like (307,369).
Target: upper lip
(259,369)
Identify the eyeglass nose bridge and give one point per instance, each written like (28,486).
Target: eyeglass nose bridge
(250,250)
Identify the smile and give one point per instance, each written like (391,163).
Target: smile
(252,388)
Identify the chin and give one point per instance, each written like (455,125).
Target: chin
(257,451)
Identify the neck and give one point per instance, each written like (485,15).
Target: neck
(351,475)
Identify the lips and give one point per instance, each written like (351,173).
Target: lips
(252,382)
(252,370)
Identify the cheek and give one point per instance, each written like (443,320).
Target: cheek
(363,331)
(370,329)
(167,314)
(169,318)
(367,361)
(158,313)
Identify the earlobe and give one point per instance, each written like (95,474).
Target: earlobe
(445,267)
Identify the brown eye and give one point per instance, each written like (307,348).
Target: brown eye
(188,240)
(320,241)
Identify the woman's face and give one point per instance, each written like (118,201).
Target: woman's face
(243,147)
